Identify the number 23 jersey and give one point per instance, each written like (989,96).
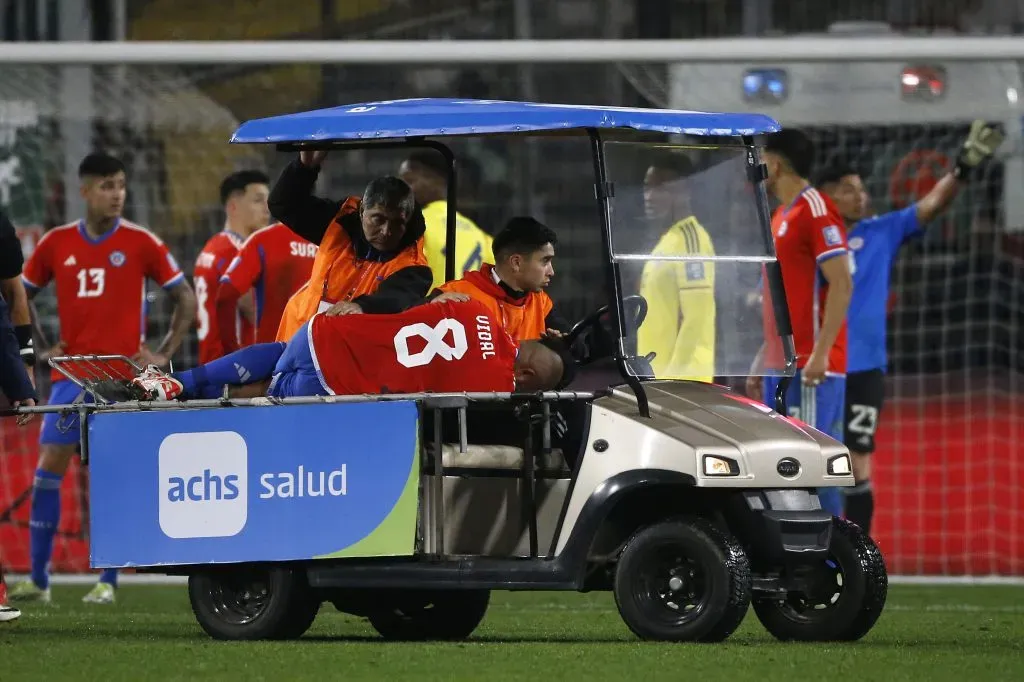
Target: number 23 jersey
(435,347)
(100,284)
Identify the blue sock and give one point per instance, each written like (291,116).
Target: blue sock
(109,576)
(43,521)
(831,500)
(248,365)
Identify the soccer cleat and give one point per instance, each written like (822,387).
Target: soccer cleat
(157,384)
(101,593)
(9,613)
(26,590)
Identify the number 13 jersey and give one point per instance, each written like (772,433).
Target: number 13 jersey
(100,284)
(435,347)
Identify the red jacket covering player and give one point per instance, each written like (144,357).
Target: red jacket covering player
(807,233)
(446,347)
(274,262)
(100,279)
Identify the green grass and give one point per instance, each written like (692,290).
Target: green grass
(926,633)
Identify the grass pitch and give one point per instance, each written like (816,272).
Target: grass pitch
(926,633)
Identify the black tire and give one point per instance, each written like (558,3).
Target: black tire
(251,603)
(852,588)
(420,615)
(691,558)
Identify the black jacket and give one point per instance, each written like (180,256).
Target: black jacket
(14,379)
(292,202)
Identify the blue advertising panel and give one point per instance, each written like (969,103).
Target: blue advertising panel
(273,483)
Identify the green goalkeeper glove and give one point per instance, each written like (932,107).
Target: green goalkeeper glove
(982,141)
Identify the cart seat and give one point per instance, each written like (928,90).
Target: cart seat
(506,457)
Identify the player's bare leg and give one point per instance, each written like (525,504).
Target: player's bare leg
(257,389)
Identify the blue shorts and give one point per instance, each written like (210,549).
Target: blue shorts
(295,373)
(821,406)
(62,429)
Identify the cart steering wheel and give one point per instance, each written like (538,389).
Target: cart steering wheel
(634,307)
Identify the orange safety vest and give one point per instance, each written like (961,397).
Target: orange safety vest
(523,318)
(340,274)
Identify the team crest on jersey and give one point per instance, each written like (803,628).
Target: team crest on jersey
(694,271)
(782,229)
(832,236)
(856,243)
(117,258)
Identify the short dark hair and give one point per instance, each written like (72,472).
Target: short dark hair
(795,147)
(522,235)
(391,193)
(100,165)
(679,165)
(833,173)
(431,160)
(237,182)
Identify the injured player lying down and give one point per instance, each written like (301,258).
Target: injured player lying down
(437,348)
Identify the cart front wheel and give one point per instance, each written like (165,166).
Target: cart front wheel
(845,597)
(414,615)
(249,603)
(683,581)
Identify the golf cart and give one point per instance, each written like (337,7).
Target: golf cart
(688,501)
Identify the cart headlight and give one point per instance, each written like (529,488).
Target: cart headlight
(765,86)
(720,466)
(839,466)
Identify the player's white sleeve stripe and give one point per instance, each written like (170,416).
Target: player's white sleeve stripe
(816,202)
(29,283)
(825,255)
(173,280)
(312,353)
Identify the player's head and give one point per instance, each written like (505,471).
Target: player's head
(543,365)
(523,254)
(104,185)
(665,198)
(244,197)
(426,172)
(788,152)
(387,206)
(843,183)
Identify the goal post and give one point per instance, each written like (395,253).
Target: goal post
(949,471)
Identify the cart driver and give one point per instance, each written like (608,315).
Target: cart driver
(513,288)
(370,257)
(447,347)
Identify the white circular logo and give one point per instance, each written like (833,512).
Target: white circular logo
(856,243)
(117,259)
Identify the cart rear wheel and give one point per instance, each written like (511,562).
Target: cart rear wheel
(683,581)
(248,603)
(846,597)
(416,615)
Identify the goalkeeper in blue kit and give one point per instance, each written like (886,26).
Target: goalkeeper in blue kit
(874,242)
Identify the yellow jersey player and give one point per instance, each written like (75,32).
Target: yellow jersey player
(426,172)
(680,323)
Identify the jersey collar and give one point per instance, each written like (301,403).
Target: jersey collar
(97,240)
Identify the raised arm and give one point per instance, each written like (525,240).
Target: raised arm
(292,201)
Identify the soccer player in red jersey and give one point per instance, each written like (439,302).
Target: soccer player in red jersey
(99,266)
(244,197)
(810,242)
(274,263)
(442,347)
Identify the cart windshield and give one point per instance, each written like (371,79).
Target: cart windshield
(689,242)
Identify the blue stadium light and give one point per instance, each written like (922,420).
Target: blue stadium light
(766,86)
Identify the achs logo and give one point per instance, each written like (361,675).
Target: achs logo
(782,229)
(117,258)
(203,484)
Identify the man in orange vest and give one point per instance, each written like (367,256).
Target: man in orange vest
(371,256)
(513,288)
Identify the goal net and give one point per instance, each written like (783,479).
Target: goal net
(948,473)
